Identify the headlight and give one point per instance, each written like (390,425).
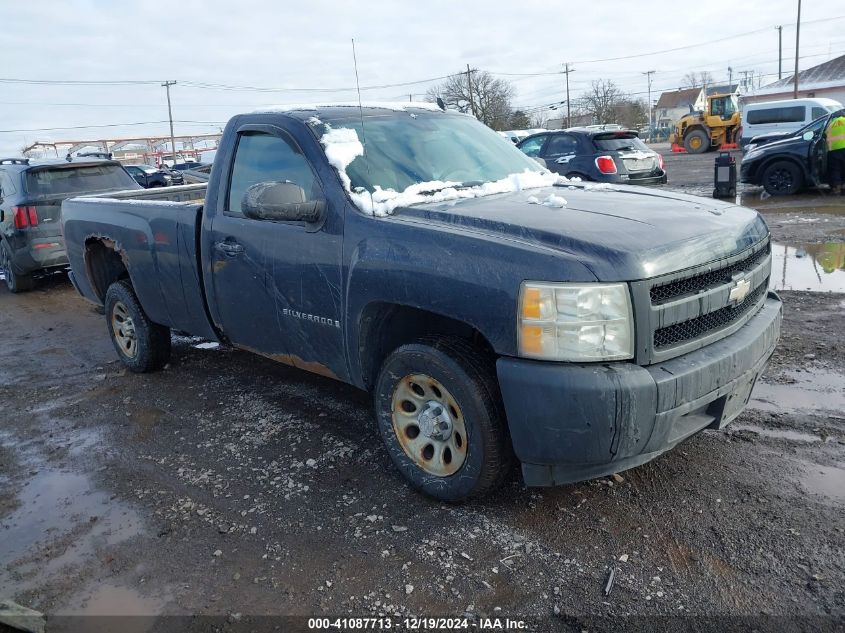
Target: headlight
(575,322)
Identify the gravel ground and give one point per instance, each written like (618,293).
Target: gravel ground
(232,487)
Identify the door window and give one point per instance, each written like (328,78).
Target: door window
(532,146)
(264,157)
(561,145)
(7,188)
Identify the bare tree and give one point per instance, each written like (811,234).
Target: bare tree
(489,98)
(601,101)
(632,113)
(539,119)
(696,80)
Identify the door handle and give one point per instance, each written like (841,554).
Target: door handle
(229,248)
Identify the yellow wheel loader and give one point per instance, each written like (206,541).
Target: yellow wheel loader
(718,127)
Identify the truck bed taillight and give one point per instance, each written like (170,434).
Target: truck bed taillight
(606,165)
(24,217)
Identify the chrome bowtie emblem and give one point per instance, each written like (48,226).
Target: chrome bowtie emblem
(740,290)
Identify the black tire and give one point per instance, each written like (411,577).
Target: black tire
(697,142)
(782,178)
(14,282)
(574,174)
(469,378)
(151,349)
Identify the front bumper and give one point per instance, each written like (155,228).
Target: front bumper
(574,422)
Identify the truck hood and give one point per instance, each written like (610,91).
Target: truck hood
(625,233)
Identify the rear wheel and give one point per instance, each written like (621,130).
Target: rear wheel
(782,178)
(697,142)
(574,174)
(142,345)
(440,414)
(14,282)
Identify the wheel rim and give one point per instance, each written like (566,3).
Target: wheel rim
(124,330)
(695,142)
(780,180)
(429,424)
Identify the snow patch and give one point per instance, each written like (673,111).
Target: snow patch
(552,200)
(208,345)
(602,186)
(342,146)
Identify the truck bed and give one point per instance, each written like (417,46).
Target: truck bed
(154,232)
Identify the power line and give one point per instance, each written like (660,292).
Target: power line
(688,46)
(107,125)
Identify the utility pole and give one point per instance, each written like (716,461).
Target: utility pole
(797,35)
(648,75)
(566,71)
(780,51)
(469,84)
(167,85)
(730,77)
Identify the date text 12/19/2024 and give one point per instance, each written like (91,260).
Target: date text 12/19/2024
(416,624)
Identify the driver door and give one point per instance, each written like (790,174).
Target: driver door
(277,284)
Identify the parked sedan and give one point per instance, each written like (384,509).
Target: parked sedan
(149,177)
(614,156)
(791,164)
(771,137)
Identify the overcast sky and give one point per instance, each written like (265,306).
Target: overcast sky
(266,44)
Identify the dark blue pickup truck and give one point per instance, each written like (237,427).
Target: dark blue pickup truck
(494,310)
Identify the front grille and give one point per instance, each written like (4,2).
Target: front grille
(697,283)
(703,325)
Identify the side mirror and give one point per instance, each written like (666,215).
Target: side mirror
(280,201)
(542,161)
(807,136)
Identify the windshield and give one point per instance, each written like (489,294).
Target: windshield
(619,141)
(78,179)
(410,148)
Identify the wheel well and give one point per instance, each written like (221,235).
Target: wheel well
(105,264)
(693,128)
(386,326)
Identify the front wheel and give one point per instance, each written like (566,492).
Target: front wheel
(14,282)
(697,142)
(440,414)
(142,345)
(782,178)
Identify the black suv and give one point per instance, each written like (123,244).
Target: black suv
(788,165)
(601,154)
(31,195)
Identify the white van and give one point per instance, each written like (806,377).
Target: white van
(782,117)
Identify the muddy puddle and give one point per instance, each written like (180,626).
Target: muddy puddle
(816,390)
(806,202)
(813,267)
(824,481)
(60,522)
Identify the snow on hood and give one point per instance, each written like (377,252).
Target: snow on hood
(342,146)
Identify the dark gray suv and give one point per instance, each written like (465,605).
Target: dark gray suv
(31,195)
